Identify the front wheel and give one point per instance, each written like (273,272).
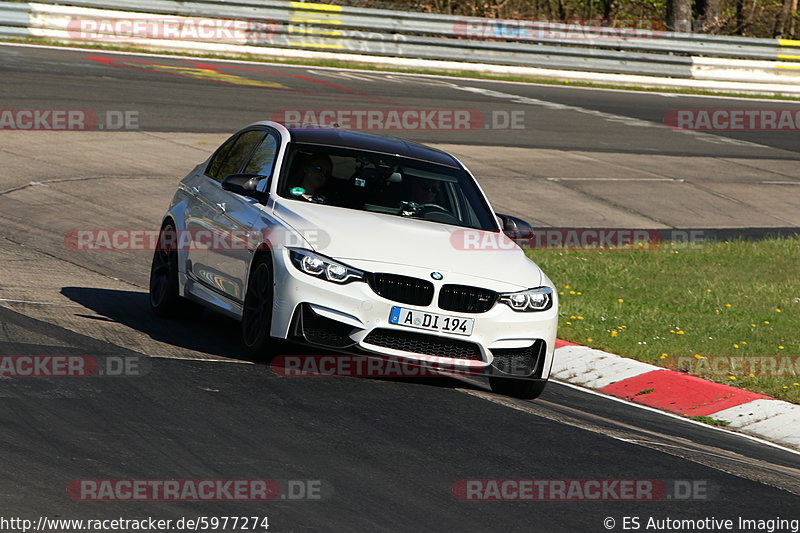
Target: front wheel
(517,388)
(257,311)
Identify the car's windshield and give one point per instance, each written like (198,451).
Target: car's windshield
(384,183)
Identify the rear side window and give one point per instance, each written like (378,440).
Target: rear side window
(230,160)
(263,159)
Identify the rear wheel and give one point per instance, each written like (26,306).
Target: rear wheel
(257,311)
(518,388)
(164,295)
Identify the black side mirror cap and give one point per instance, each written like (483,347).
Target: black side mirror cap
(518,230)
(245,185)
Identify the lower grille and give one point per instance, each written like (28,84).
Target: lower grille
(403,289)
(466,299)
(519,361)
(420,343)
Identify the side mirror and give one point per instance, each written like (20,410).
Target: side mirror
(245,185)
(516,229)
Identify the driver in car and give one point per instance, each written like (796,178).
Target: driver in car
(423,191)
(312,175)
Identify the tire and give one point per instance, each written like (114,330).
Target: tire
(257,311)
(517,388)
(165,300)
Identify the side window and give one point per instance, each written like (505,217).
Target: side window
(238,153)
(264,157)
(213,168)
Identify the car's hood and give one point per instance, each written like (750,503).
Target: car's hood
(348,234)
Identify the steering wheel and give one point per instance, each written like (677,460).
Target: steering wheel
(436,213)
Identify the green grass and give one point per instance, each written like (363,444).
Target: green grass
(388,67)
(721,310)
(711,421)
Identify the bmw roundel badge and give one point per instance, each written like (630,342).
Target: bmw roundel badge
(436,275)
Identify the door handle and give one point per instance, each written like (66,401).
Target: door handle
(195,191)
(221,206)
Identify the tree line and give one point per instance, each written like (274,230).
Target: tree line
(752,18)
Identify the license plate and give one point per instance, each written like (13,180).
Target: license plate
(431,321)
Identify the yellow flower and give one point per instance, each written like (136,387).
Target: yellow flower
(752,325)
(672,331)
(572,316)
(727,305)
(744,342)
(620,300)
(664,356)
(560,292)
(708,290)
(751,375)
(580,317)
(579,293)
(614,333)
(796,384)
(766,322)
(731,377)
(680,332)
(567,287)
(786,386)
(698,356)
(623,326)
(780,347)
(735,345)
(777,309)
(569,323)
(572,292)
(589,340)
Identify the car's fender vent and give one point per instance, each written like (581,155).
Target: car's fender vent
(466,299)
(520,361)
(423,344)
(316,329)
(403,289)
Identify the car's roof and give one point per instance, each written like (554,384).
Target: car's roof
(370,142)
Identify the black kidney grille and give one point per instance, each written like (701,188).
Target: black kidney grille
(420,343)
(403,289)
(466,299)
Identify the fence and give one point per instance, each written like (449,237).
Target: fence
(298,29)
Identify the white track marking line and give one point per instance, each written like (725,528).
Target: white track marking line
(9,300)
(609,117)
(497,400)
(620,179)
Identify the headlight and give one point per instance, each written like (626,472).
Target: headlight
(538,299)
(323,267)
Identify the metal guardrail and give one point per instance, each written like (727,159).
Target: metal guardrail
(322,27)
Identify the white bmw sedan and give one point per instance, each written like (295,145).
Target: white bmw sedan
(356,243)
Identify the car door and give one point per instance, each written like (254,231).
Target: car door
(203,220)
(235,216)
(199,213)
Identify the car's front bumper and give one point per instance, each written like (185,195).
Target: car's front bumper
(352,317)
